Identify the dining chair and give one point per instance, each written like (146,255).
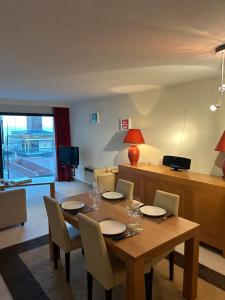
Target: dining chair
(170,202)
(125,187)
(64,236)
(106,181)
(107,269)
(105,178)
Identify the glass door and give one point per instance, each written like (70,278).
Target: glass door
(1,146)
(27,147)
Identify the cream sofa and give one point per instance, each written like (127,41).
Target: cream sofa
(12,208)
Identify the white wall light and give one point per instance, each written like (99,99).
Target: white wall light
(214,107)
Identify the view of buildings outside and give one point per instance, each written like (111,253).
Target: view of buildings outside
(28,146)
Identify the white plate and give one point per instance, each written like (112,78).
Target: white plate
(111,227)
(112,195)
(153,211)
(71,205)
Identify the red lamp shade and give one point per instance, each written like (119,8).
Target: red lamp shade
(134,136)
(221,147)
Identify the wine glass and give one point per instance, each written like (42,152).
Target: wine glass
(96,199)
(97,189)
(132,207)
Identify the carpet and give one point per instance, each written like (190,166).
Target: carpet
(29,274)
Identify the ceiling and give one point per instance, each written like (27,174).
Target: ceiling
(68,50)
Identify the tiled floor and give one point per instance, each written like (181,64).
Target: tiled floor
(208,257)
(37,225)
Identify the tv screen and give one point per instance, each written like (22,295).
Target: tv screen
(177,162)
(69,156)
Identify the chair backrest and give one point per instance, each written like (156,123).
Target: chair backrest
(98,172)
(168,201)
(96,255)
(59,232)
(125,187)
(106,182)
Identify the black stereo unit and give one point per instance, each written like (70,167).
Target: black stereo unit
(177,162)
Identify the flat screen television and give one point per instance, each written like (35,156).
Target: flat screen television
(69,156)
(177,162)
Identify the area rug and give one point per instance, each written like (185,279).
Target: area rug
(29,274)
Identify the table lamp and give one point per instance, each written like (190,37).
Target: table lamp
(221,147)
(134,137)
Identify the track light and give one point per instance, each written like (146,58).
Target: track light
(220,49)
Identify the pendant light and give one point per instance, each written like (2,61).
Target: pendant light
(214,107)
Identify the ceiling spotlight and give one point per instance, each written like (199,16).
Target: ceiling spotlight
(220,49)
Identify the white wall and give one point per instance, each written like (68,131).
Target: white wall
(161,114)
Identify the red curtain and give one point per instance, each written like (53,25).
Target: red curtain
(62,138)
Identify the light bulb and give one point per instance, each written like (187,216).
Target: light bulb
(213,107)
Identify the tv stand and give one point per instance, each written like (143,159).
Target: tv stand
(70,176)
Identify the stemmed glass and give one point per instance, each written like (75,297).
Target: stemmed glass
(95,195)
(97,189)
(135,215)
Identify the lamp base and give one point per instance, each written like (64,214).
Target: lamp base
(133,155)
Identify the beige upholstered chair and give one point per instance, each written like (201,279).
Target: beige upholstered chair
(126,188)
(105,268)
(105,178)
(106,181)
(12,208)
(170,202)
(66,238)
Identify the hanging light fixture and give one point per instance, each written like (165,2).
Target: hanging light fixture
(214,107)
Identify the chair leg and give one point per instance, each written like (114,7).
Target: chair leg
(82,251)
(89,285)
(171,264)
(108,294)
(67,264)
(148,285)
(55,255)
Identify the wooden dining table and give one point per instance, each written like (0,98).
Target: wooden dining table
(155,239)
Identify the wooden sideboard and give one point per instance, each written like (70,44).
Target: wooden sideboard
(202,197)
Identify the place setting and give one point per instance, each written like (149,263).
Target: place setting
(155,213)
(116,230)
(113,196)
(74,207)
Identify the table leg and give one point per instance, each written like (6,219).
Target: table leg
(52,189)
(135,286)
(190,279)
